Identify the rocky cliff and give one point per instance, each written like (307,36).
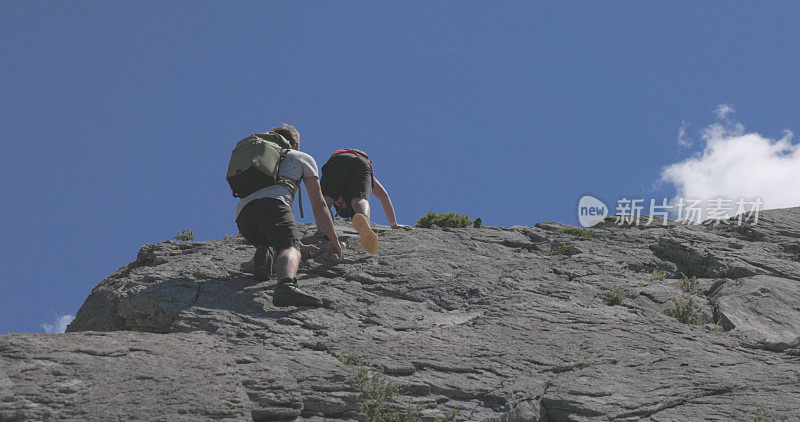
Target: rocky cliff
(547,323)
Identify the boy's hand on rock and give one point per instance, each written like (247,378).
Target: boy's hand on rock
(307,251)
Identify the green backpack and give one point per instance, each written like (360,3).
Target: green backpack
(255,162)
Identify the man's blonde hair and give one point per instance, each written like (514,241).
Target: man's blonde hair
(289,132)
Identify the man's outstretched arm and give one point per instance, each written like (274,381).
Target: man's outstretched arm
(388,208)
(322,215)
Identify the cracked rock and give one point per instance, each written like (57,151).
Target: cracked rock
(496,323)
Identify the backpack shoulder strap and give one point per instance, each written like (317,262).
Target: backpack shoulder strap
(350,151)
(285,181)
(300,200)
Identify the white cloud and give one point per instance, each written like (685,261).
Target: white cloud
(723,110)
(683,138)
(735,164)
(59,325)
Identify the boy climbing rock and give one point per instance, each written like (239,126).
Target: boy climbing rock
(347,183)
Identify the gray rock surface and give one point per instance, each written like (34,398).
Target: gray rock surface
(119,376)
(498,323)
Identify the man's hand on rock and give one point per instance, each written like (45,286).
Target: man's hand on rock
(335,248)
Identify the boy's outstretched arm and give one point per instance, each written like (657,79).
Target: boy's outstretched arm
(322,215)
(388,209)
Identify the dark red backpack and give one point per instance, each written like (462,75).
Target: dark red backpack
(359,153)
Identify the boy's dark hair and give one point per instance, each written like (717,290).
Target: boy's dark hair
(289,132)
(345,212)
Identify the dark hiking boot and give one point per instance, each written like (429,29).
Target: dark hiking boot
(262,263)
(288,294)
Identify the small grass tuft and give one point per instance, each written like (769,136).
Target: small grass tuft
(351,360)
(761,415)
(689,285)
(377,393)
(561,250)
(232,236)
(444,220)
(614,295)
(184,236)
(684,310)
(659,275)
(724,270)
(576,231)
(718,324)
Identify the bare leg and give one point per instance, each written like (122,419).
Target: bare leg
(369,240)
(286,291)
(360,206)
(287,262)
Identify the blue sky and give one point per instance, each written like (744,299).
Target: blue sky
(117,118)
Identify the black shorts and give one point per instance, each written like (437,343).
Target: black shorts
(348,176)
(269,222)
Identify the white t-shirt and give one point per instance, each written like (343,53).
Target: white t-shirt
(296,166)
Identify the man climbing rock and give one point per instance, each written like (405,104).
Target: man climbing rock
(265,172)
(347,183)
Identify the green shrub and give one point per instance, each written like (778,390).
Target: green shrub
(614,295)
(377,392)
(761,415)
(684,311)
(659,275)
(576,231)
(561,250)
(444,220)
(184,236)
